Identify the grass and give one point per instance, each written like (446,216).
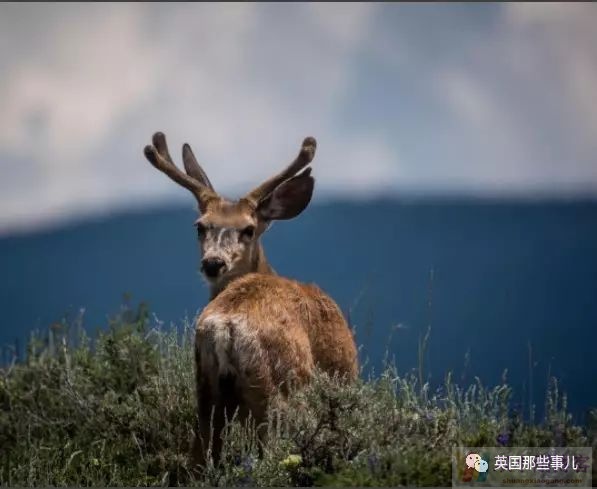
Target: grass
(119,410)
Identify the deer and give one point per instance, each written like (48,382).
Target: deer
(260,333)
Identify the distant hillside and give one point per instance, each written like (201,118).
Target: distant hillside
(490,278)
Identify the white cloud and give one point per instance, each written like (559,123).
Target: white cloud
(526,98)
(564,38)
(211,74)
(85,85)
(93,71)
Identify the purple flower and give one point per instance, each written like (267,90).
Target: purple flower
(373,462)
(248,463)
(503,439)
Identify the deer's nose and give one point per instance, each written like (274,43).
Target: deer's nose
(212,266)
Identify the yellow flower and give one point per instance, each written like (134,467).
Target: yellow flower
(291,461)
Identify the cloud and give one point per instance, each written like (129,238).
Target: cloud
(565,52)
(243,82)
(68,101)
(401,98)
(526,97)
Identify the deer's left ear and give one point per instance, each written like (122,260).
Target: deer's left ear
(289,199)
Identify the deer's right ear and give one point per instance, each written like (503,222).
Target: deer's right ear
(289,199)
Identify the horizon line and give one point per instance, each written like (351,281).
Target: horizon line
(142,206)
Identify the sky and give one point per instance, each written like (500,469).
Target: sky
(404,99)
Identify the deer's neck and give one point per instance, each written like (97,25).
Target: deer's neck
(260,264)
(257,264)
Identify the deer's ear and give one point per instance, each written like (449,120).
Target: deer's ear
(289,199)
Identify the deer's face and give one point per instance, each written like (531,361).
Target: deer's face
(228,234)
(229,231)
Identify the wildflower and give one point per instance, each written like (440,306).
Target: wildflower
(373,462)
(291,461)
(503,439)
(248,463)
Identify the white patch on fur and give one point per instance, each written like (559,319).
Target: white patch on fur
(225,344)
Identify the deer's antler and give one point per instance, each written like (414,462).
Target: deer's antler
(195,180)
(304,157)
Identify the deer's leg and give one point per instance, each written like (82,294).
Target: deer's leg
(217,406)
(255,390)
(203,440)
(225,407)
(210,415)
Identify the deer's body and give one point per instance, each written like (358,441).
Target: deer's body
(261,333)
(274,323)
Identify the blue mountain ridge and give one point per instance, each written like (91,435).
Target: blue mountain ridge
(494,281)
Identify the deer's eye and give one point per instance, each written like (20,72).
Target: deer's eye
(201,228)
(248,232)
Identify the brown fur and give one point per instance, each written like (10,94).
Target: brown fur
(292,327)
(261,333)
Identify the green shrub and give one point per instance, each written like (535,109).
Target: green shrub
(119,410)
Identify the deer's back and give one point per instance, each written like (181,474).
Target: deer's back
(279,327)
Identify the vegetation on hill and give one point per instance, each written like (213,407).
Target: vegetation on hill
(119,410)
